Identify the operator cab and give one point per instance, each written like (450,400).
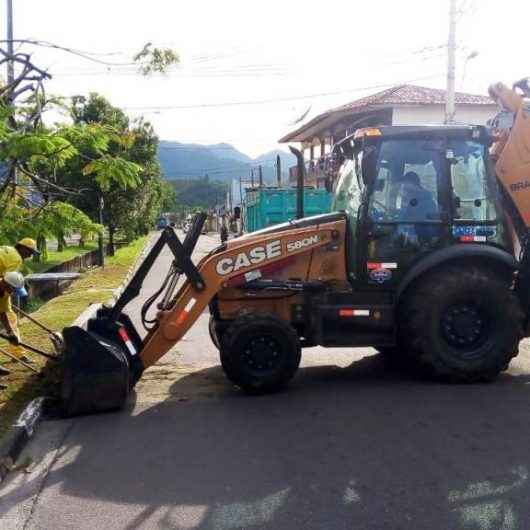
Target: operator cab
(412,190)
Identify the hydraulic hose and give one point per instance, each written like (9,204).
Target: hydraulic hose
(148,324)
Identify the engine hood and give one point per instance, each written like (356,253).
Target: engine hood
(298,223)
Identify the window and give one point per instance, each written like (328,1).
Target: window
(406,188)
(348,192)
(473,193)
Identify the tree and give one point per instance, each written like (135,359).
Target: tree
(33,155)
(34,151)
(152,60)
(58,219)
(169,201)
(130,209)
(199,193)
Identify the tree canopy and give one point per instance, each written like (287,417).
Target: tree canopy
(53,177)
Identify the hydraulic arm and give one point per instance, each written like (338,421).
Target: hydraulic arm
(103,362)
(511,150)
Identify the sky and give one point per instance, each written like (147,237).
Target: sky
(248,70)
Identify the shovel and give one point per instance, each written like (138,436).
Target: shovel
(16,359)
(31,348)
(55,337)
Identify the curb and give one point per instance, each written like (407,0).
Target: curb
(19,434)
(12,444)
(91,310)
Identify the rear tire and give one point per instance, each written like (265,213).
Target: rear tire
(260,353)
(462,325)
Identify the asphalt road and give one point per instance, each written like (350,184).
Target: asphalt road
(352,444)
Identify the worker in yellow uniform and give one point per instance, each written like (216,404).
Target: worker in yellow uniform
(10,283)
(11,258)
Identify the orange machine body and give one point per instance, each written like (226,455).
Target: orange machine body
(313,253)
(511,151)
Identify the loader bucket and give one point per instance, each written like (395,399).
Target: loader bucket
(103,362)
(96,373)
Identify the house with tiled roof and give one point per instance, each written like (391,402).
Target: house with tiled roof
(399,105)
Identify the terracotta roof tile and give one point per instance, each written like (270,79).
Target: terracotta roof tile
(413,95)
(397,95)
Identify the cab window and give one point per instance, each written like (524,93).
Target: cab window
(407,183)
(348,193)
(473,193)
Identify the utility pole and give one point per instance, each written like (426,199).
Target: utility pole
(451,65)
(260,172)
(10,48)
(11,65)
(252,178)
(279,171)
(101,250)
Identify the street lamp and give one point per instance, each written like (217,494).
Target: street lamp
(472,55)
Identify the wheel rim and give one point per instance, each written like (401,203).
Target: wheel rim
(262,355)
(465,327)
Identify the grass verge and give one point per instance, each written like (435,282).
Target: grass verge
(94,286)
(56,258)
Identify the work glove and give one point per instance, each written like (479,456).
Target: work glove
(14,339)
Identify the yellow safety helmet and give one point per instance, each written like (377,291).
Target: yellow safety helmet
(29,243)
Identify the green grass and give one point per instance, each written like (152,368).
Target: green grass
(126,255)
(56,258)
(93,287)
(34,304)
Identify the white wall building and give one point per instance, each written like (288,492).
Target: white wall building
(399,105)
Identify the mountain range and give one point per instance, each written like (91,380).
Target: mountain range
(221,162)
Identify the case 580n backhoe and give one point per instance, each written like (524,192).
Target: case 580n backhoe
(425,258)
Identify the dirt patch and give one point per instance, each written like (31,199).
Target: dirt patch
(173,381)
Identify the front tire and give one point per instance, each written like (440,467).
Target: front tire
(462,324)
(213,332)
(260,353)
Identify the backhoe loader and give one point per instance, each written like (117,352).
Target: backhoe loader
(425,258)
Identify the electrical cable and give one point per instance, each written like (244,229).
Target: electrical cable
(72,51)
(279,100)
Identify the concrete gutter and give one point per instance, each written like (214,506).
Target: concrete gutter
(91,310)
(12,444)
(19,434)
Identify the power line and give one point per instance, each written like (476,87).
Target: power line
(181,73)
(210,71)
(72,51)
(245,70)
(279,100)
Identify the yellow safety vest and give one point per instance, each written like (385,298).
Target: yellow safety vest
(10,260)
(5,303)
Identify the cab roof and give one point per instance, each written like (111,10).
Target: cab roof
(471,131)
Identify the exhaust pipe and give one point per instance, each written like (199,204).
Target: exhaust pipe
(300,181)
